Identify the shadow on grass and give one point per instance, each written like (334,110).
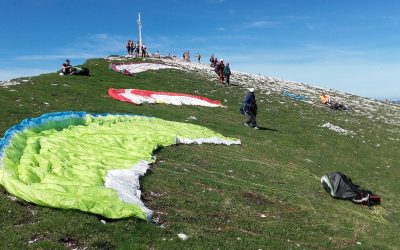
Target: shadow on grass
(269,129)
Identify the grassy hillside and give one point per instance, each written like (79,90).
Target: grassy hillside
(263,194)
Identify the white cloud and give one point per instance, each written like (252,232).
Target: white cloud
(62,56)
(7,74)
(294,17)
(310,26)
(256,25)
(95,45)
(100,42)
(215,1)
(159,42)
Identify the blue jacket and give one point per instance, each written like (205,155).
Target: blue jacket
(227,70)
(249,104)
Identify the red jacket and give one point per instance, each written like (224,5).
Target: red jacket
(220,67)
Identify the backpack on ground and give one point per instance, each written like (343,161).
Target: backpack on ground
(80,71)
(85,72)
(340,186)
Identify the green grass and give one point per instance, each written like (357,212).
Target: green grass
(263,194)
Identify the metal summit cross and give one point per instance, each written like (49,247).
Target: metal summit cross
(139,21)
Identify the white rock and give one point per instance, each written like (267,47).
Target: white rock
(336,129)
(183,236)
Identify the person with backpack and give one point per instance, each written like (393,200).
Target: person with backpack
(220,69)
(249,108)
(227,73)
(215,65)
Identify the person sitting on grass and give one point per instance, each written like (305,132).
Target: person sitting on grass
(325,98)
(339,106)
(66,68)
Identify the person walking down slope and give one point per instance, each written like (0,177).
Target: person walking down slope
(220,69)
(249,108)
(227,73)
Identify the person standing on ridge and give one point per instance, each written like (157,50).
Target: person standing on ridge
(212,60)
(227,73)
(131,47)
(198,57)
(128,46)
(137,49)
(220,69)
(144,50)
(249,109)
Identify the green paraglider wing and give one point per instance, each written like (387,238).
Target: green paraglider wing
(89,162)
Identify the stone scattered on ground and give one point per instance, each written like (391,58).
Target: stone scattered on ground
(183,236)
(336,129)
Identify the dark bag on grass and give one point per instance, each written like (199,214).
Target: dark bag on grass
(340,186)
(81,71)
(84,72)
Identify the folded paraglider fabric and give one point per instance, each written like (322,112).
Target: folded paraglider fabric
(340,186)
(133,68)
(89,162)
(294,96)
(139,96)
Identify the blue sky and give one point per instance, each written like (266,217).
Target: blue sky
(352,46)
